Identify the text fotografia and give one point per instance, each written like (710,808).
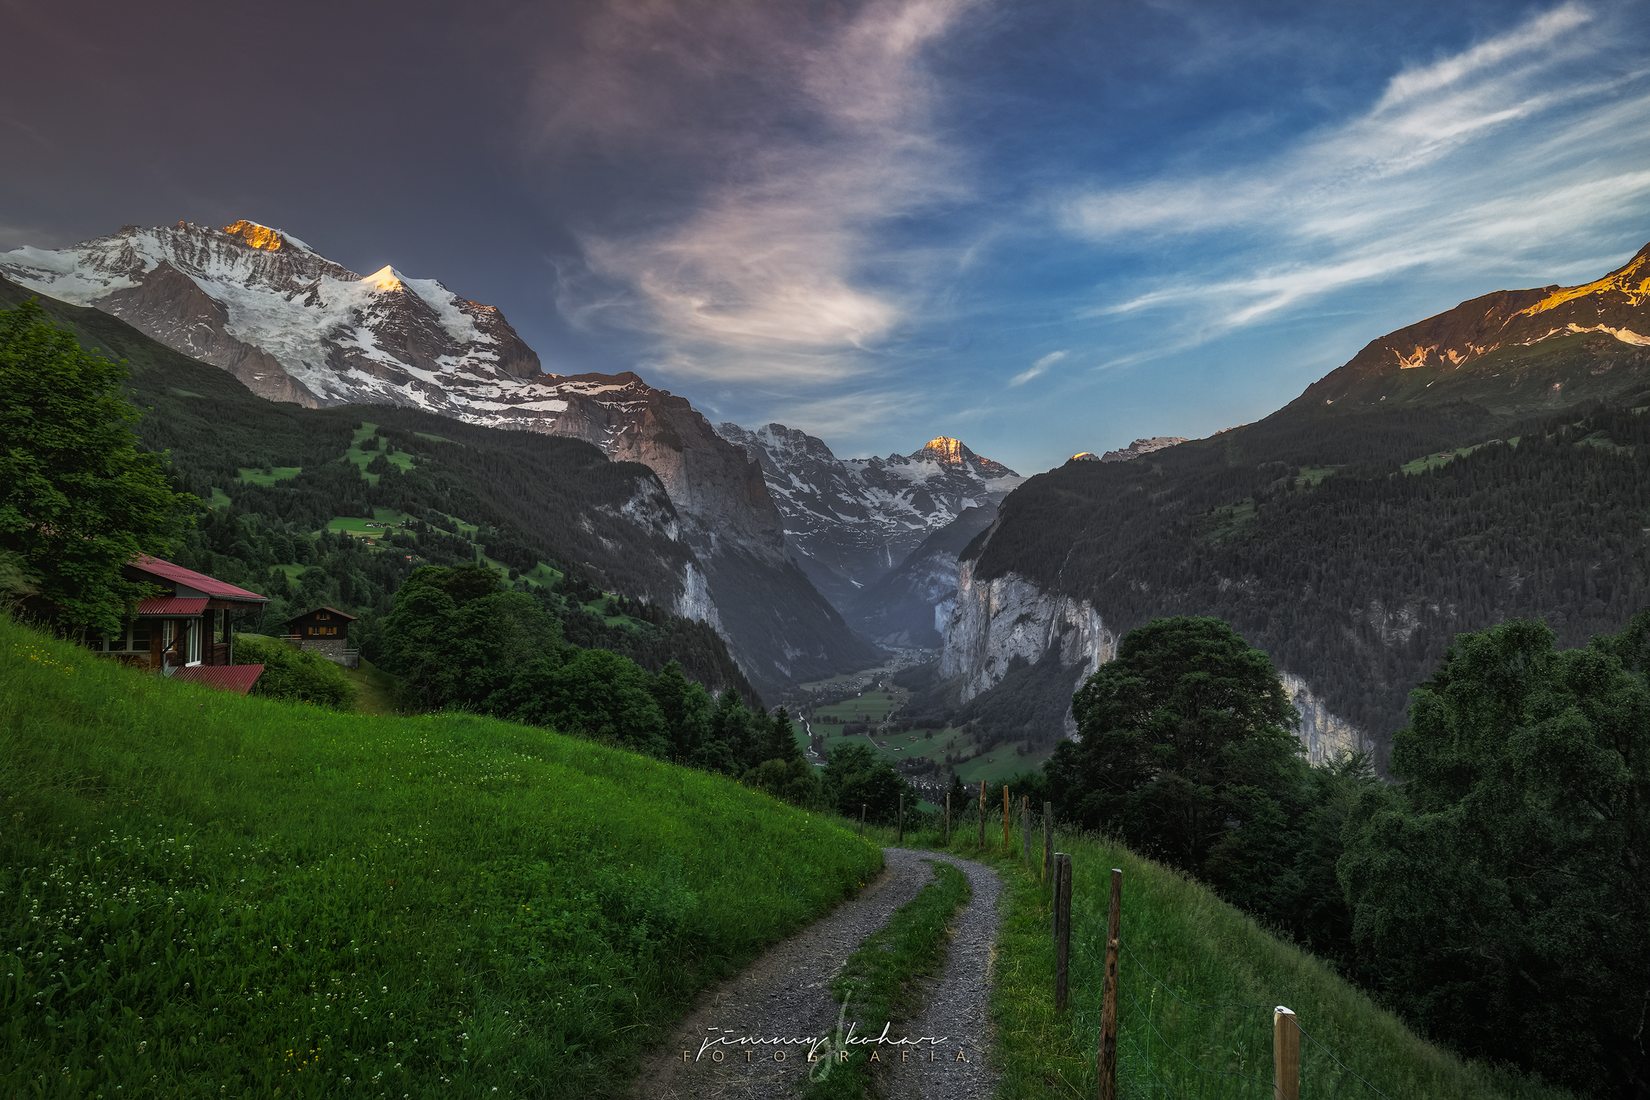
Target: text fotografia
(724,1045)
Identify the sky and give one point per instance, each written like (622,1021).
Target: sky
(1042,226)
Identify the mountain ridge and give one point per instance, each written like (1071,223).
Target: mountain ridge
(1353,532)
(850,522)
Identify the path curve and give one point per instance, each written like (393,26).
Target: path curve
(786,992)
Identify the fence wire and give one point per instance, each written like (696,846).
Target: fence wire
(1157,1036)
(1330,1054)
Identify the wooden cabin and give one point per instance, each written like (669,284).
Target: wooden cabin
(185,630)
(324,630)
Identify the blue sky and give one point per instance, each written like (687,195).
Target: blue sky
(1041,226)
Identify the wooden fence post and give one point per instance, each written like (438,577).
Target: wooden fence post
(1025,830)
(981,843)
(1286,1055)
(947,819)
(900,836)
(862,819)
(1005,818)
(1106,1067)
(1048,839)
(1062,931)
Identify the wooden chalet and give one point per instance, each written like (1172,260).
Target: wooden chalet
(324,630)
(184,630)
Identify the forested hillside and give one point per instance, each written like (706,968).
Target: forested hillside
(1352,545)
(338,506)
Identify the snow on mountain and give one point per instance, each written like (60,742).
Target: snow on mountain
(290,323)
(1133,450)
(295,326)
(851,522)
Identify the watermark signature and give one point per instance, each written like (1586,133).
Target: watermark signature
(821,1052)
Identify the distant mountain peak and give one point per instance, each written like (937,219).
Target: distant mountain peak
(253,235)
(946,449)
(1143,447)
(385,278)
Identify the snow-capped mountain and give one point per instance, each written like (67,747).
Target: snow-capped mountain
(293,325)
(852,521)
(1133,450)
(289,323)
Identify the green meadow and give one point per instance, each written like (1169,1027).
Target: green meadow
(202,894)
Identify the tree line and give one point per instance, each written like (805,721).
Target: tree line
(1495,896)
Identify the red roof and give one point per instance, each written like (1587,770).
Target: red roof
(200,582)
(236,678)
(173,605)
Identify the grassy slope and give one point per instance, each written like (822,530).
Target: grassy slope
(202,892)
(1211,1017)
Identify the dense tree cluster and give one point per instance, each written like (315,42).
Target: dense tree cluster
(79,499)
(1497,896)
(1188,753)
(457,638)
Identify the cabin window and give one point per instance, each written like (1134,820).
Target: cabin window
(322,615)
(192,641)
(132,637)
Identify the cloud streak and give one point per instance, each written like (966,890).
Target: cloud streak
(1493,150)
(780,268)
(1038,368)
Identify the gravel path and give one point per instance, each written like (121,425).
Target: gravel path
(786,993)
(957,1003)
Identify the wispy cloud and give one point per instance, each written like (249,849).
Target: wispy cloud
(848,419)
(1496,149)
(780,265)
(1038,368)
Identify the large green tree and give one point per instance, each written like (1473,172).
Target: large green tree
(1186,744)
(1499,894)
(79,499)
(857,775)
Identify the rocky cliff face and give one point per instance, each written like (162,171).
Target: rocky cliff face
(996,623)
(295,326)
(1324,733)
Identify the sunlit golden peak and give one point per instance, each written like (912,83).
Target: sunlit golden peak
(385,278)
(257,236)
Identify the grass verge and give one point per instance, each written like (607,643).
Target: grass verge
(882,982)
(1197,984)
